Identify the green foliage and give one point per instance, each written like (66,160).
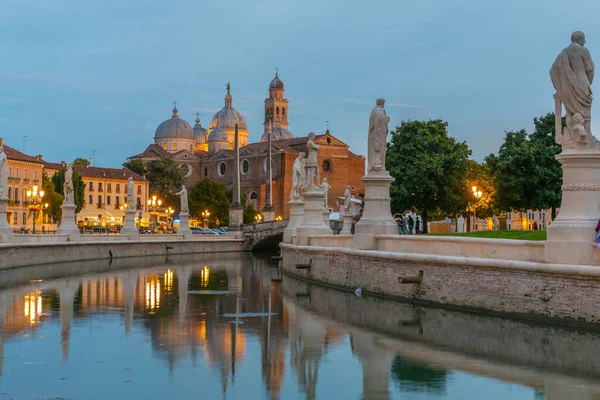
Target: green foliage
(429,167)
(165,177)
(516,235)
(78,186)
(249,213)
(211,196)
(418,377)
(136,166)
(81,161)
(51,197)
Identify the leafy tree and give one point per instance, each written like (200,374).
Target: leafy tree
(81,161)
(429,167)
(51,197)
(165,177)
(136,166)
(211,196)
(249,213)
(78,187)
(477,175)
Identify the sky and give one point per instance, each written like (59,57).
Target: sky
(95,79)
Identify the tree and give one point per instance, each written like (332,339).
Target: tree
(81,161)
(477,175)
(136,166)
(429,167)
(165,177)
(52,198)
(211,196)
(78,187)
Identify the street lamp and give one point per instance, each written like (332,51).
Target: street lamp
(279,218)
(34,197)
(205,215)
(170,211)
(477,194)
(257,218)
(153,204)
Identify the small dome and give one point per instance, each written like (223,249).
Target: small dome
(278,133)
(228,116)
(218,135)
(200,134)
(276,83)
(174,127)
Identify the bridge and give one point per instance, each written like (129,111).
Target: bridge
(263,236)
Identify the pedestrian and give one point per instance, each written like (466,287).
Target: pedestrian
(597,239)
(400,223)
(417,226)
(411,224)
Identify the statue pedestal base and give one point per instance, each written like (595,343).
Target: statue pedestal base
(236,217)
(377,215)
(129,227)
(326,214)
(184,225)
(571,235)
(313,224)
(296,219)
(347,227)
(6,232)
(67,223)
(268,213)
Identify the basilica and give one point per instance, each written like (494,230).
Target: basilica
(202,152)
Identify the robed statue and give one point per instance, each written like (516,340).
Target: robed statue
(69,191)
(347,199)
(572,75)
(3,173)
(378,129)
(325,188)
(130,202)
(312,164)
(183,198)
(297,177)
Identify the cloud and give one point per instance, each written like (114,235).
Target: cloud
(36,77)
(351,100)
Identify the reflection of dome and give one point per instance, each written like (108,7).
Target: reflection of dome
(200,134)
(228,116)
(218,135)
(276,83)
(278,133)
(174,127)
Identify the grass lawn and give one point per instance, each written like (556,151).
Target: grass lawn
(518,235)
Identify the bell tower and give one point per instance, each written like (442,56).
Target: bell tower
(276,105)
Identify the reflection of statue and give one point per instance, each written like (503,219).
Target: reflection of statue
(347,199)
(378,129)
(297,177)
(572,74)
(183,197)
(68,186)
(3,173)
(312,165)
(325,188)
(130,203)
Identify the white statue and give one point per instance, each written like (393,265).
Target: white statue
(572,74)
(325,188)
(3,173)
(297,177)
(312,164)
(378,129)
(347,199)
(69,190)
(130,202)
(183,197)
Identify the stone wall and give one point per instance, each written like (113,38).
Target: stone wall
(255,233)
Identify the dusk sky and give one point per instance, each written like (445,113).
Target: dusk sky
(81,76)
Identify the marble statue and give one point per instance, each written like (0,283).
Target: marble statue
(69,191)
(297,177)
(130,202)
(572,74)
(183,197)
(312,164)
(347,199)
(325,188)
(3,173)
(378,129)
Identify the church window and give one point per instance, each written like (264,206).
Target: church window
(283,111)
(174,146)
(277,111)
(222,169)
(327,166)
(245,167)
(205,171)
(253,196)
(187,169)
(164,146)
(328,140)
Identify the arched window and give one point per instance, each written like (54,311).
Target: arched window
(327,166)
(10,193)
(283,111)
(205,171)
(253,196)
(174,146)
(164,146)
(277,111)
(222,169)
(328,140)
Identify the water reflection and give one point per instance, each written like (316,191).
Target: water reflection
(223,319)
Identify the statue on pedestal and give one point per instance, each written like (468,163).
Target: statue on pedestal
(347,199)
(312,164)
(378,129)
(130,202)
(297,177)
(572,74)
(3,173)
(325,188)
(69,191)
(183,197)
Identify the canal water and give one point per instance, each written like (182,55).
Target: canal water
(218,327)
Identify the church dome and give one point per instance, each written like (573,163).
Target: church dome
(218,135)
(200,134)
(228,116)
(278,133)
(174,127)
(276,83)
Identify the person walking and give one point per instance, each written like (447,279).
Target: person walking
(400,223)
(411,224)
(417,226)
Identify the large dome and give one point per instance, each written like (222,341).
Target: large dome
(276,83)
(174,127)
(228,116)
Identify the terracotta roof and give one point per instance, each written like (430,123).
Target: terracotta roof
(53,165)
(13,154)
(87,171)
(151,151)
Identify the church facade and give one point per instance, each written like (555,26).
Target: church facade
(209,152)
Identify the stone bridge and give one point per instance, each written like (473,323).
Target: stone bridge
(263,236)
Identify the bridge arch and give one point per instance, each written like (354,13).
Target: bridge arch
(263,236)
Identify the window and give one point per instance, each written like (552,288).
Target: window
(108,187)
(25,174)
(99,200)
(10,193)
(10,172)
(35,175)
(327,166)
(164,145)
(245,167)
(91,200)
(24,218)
(16,172)
(139,203)
(222,169)
(118,187)
(91,187)
(283,111)
(253,196)
(16,194)
(99,186)
(205,171)
(277,111)
(187,169)
(139,189)
(108,200)
(174,146)
(117,200)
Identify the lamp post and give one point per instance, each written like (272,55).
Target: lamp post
(258,218)
(153,204)
(205,215)
(477,194)
(170,211)
(34,197)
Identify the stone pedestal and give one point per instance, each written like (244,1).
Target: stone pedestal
(129,227)
(184,225)
(377,215)
(312,223)
(6,232)
(326,214)
(268,213)
(347,227)
(296,219)
(236,217)
(571,235)
(518,222)
(67,223)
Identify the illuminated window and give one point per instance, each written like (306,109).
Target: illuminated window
(174,146)
(139,189)
(164,146)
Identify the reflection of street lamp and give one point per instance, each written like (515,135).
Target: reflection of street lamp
(477,195)
(170,212)
(123,208)
(205,215)
(153,204)
(257,218)
(35,203)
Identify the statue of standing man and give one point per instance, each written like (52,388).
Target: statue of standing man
(183,198)
(312,163)
(378,129)
(130,202)
(3,173)
(297,177)
(572,74)
(69,191)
